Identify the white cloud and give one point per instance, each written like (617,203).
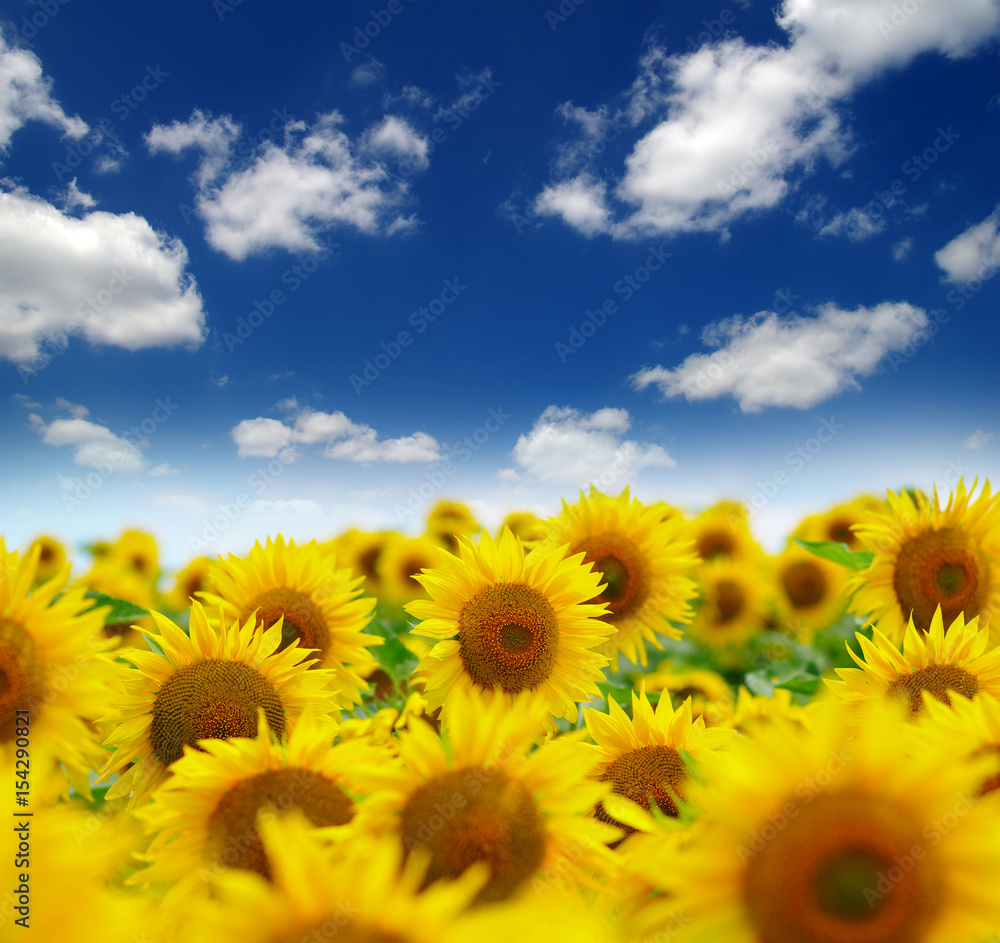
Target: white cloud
(344,439)
(94,446)
(25,95)
(901,249)
(368,73)
(737,124)
(508,474)
(974,253)
(855,224)
(977,440)
(770,360)
(158,471)
(187,503)
(569,447)
(109,277)
(285,195)
(412,95)
(76,197)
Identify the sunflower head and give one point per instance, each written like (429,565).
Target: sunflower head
(512,621)
(209,685)
(711,695)
(926,556)
(51,557)
(723,531)
(838,523)
(808,591)
(734,603)
(190,581)
(399,564)
(450,520)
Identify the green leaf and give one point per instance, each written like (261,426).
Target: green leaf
(121,609)
(838,553)
(759,682)
(804,684)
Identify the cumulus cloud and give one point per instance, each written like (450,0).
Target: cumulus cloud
(737,124)
(570,447)
(94,445)
(108,277)
(770,360)
(344,439)
(974,253)
(368,73)
(855,224)
(977,440)
(901,249)
(285,195)
(26,95)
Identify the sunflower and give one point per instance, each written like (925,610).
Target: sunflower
(644,561)
(723,531)
(837,524)
(711,694)
(968,729)
(959,661)
(194,578)
(206,686)
(525,526)
(205,815)
(809,591)
(51,557)
(753,709)
(401,560)
(362,891)
(449,520)
(522,623)
(322,607)
(644,757)
(818,837)
(137,552)
(479,793)
(359,552)
(928,556)
(55,675)
(735,603)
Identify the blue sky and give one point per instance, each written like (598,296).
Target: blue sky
(298,267)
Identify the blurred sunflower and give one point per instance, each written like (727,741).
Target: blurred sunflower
(194,578)
(525,526)
(359,552)
(753,710)
(644,757)
(205,815)
(137,552)
(206,686)
(722,530)
(809,591)
(55,675)
(449,520)
(401,560)
(711,694)
(522,623)
(321,607)
(837,524)
(479,793)
(51,557)
(959,661)
(735,603)
(818,837)
(967,729)
(928,556)
(644,561)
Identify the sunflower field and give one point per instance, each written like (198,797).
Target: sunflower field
(623,723)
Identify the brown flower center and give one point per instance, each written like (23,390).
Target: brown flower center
(936,679)
(715,543)
(840,870)
(839,529)
(22,679)
(233,839)
(476,814)
(648,774)
(338,926)
(508,635)
(211,700)
(804,583)
(729,601)
(622,568)
(940,568)
(303,619)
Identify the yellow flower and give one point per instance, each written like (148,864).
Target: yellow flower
(449,520)
(818,837)
(479,793)
(321,607)
(710,693)
(360,552)
(55,676)
(959,661)
(398,565)
(51,557)
(206,686)
(526,526)
(838,523)
(205,815)
(194,578)
(735,603)
(362,891)
(753,709)
(644,757)
(522,623)
(966,729)
(644,561)
(722,531)
(928,556)
(809,591)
